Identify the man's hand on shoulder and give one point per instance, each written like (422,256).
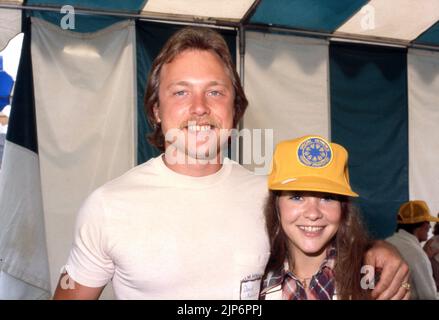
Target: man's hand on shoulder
(394,277)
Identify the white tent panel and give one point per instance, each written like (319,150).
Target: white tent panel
(10,25)
(423,88)
(396,19)
(24,271)
(211,9)
(85,97)
(286,82)
(12,288)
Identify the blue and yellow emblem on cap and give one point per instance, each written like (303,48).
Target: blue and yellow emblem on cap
(314,152)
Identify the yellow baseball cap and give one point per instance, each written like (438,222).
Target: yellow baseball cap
(414,211)
(310,163)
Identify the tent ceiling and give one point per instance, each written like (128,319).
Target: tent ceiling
(211,11)
(389,22)
(316,15)
(402,20)
(12,2)
(430,37)
(132,6)
(205,10)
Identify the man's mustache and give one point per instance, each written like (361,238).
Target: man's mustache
(205,121)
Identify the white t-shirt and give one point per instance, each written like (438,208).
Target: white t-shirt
(162,235)
(421,273)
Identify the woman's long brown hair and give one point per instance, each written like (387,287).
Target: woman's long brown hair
(351,242)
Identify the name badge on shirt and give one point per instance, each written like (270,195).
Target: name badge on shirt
(250,287)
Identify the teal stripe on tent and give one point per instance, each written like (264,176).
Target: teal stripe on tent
(151,37)
(369,116)
(132,6)
(83,23)
(316,15)
(22,128)
(429,37)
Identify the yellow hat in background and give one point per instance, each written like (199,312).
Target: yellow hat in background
(415,211)
(310,163)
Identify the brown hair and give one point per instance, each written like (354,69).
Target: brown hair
(190,38)
(436,229)
(351,242)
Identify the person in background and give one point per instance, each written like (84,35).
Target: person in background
(413,224)
(6,85)
(3,119)
(431,248)
(3,125)
(317,241)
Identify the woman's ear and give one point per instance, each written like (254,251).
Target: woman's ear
(155,109)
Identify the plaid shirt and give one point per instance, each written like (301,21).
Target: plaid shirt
(321,286)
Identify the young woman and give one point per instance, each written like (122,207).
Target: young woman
(317,240)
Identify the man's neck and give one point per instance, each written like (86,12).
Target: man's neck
(194,168)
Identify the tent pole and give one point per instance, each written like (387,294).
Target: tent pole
(424,47)
(241,39)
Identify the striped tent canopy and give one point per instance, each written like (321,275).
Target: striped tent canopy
(363,73)
(402,21)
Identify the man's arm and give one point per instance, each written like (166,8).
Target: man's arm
(395,271)
(429,250)
(68,289)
